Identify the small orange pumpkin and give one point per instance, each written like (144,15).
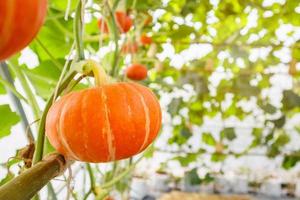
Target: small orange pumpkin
(137,72)
(104,123)
(124,23)
(145,40)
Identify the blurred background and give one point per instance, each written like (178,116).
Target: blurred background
(227,74)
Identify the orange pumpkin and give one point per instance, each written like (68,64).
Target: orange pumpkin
(145,40)
(104,123)
(20,20)
(137,72)
(124,22)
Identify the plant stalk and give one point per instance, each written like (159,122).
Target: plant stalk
(78,31)
(38,154)
(27,184)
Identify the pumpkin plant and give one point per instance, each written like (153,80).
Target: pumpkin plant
(110,121)
(227,72)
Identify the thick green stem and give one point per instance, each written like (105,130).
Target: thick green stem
(27,184)
(31,97)
(38,154)
(78,31)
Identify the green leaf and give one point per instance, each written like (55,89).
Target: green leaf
(186,160)
(2,89)
(56,37)
(8,119)
(282,139)
(149,151)
(218,157)
(9,176)
(268,108)
(62,5)
(229,133)
(279,123)
(44,78)
(291,160)
(174,106)
(290,100)
(192,177)
(207,138)
(182,32)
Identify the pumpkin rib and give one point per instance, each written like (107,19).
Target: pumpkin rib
(147,118)
(83,107)
(108,131)
(8,23)
(51,122)
(136,127)
(61,128)
(150,94)
(75,138)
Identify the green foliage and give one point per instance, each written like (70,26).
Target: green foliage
(8,119)
(219,83)
(192,177)
(207,138)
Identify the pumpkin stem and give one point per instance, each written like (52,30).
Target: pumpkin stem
(99,73)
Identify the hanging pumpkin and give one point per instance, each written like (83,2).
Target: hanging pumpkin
(124,22)
(136,72)
(109,122)
(20,21)
(145,40)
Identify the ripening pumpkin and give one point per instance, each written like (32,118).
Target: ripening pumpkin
(20,21)
(145,40)
(104,123)
(124,23)
(136,72)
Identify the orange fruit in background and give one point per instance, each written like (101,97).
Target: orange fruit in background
(136,72)
(124,22)
(145,40)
